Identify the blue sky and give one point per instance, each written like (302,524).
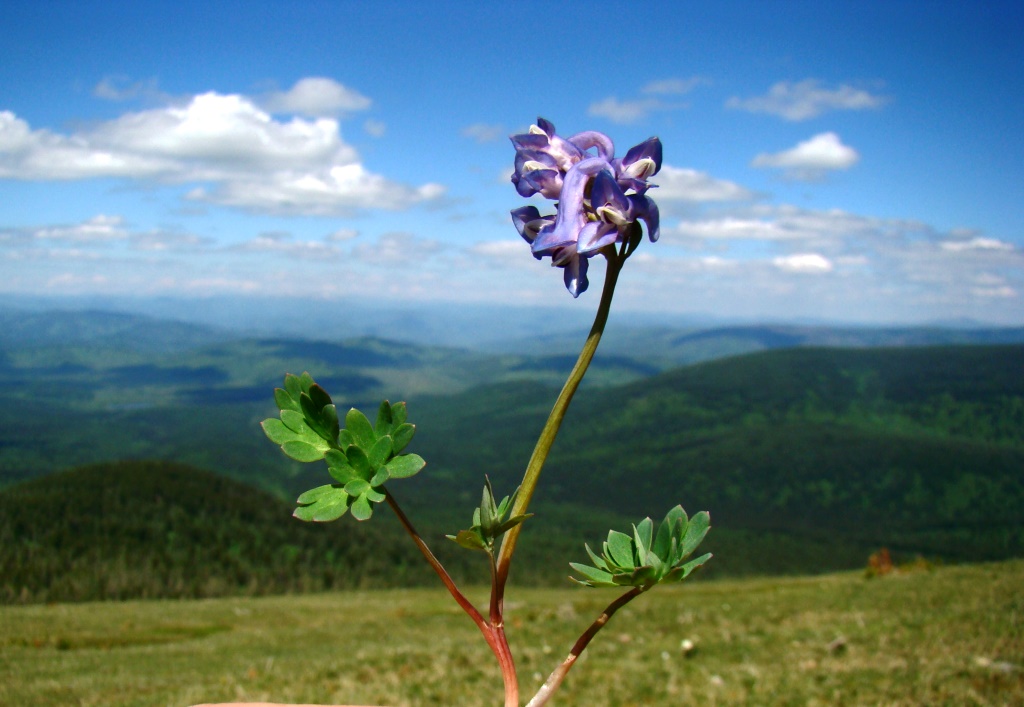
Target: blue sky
(853,162)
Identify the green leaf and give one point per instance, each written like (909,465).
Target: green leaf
(303,451)
(359,461)
(384,421)
(295,421)
(637,578)
(402,435)
(488,511)
(319,397)
(381,477)
(398,413)
(695,532)
(663,541)
(619,549)
(339,468)
(329,420)
(276,432)
(598,561)
(357,487)
(322,504)
(345,439)
(379,452)
(293,386)
(311,416)
(404,466)
(284,400)
(361,508)
(642,536)
(374,495)
(593,576)
(683,571)
(469,539)
(359,426)
(511,523)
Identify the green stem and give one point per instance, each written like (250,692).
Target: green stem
(558,675)
(550,431)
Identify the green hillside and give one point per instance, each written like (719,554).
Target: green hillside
(808,459)
(151,529)
(921,449)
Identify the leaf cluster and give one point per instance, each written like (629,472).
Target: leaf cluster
(644,559)
(489,522)
(361,457)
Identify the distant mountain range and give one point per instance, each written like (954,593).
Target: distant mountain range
(810,446)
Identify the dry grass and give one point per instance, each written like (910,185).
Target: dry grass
(949,636)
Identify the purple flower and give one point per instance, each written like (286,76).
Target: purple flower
(599,197)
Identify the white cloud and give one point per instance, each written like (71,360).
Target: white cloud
(682,184)
(237,153)
(316,96)
(806,99)
(120,88)
(976,243)
(100,228)
(375,128)
(812,158)
(803,263)
(672,86)
(484,132)
(99,233)
(730,227)
(623,111)
(397,249)
(281,243)
(343,234)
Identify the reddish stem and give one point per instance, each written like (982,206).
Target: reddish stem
(493,631)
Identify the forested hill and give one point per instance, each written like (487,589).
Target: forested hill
(921,449)
(808,459)
(156,529)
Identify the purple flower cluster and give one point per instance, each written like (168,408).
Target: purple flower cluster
(599,196)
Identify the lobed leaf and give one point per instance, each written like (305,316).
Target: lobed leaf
(402,435)
(404,466)
(303,451)
(384,422)
(469,539)
(361,508)
(695,532)
(593,576)
(619,549)
(359,426)
(322,504)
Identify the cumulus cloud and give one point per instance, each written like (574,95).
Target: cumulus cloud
(283,244)
(121,88)
(100,228)
(803,263)
(396,249)
(672,86)
(811,159)
(98,233)
(806,99)
(484,132)
(785,222)
(629,111)
(690,185)
(976,243)
(375,128)
(343,234)
(315,97)
(635,109)
(237,153)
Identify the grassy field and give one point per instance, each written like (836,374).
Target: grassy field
(952,635)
